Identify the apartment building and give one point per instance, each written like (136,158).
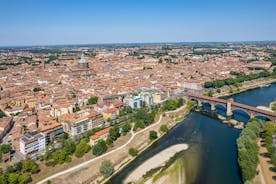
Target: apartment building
(133,102)
(5,126)
(102,134)
(32,144)
(82,121)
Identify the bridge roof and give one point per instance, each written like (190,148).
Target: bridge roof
(243,106)
(240,105)
(207,98)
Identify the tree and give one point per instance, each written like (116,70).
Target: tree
(65,136)
(34,167)
(143,115)
(180,102)
(3,178)
(114,132)
(128,109)
(99,148)
(164,128)
(10,169)
(109,141)
(59,156)
(24,178)
(2,114)
(170,104)
(5,148)
(82,148)
(12,178)
(69,147)
(153,135)
(106,168)
(126,128)
(133,152)
(77,108)
(210,93)
(18,166)
(30,166)
(139,124)
(37,89)
(92,100)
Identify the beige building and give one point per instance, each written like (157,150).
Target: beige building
(82,121)
(102,134)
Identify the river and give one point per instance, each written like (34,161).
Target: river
(212,155)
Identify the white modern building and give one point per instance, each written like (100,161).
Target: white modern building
(32,144)
(133,102)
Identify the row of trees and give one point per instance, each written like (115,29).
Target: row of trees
(172,104)
(239,78)
(248,149)
(19,173)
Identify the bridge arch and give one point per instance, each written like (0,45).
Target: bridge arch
(195,100)
(237,109)
(221,105)
(262,117)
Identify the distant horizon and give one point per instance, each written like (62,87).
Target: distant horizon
(71,22)
(138,43)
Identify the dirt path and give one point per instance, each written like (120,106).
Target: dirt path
(265,174)
(118,155)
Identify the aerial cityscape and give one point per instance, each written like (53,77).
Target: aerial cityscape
(154,92)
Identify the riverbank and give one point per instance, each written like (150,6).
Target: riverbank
(170,118)
(228,91)
(118,155)
(216,143)
(155,162)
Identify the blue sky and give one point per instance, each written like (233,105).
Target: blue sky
(51,22)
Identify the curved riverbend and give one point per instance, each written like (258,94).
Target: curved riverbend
(212,154)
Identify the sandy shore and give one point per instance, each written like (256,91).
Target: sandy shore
(155,161)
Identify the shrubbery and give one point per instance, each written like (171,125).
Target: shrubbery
(82,148)
(172,104)
(99,148)
(133,152)
(92,100)
(153,135)
(106,168)
(19,173)
(164,128)
(142,118)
